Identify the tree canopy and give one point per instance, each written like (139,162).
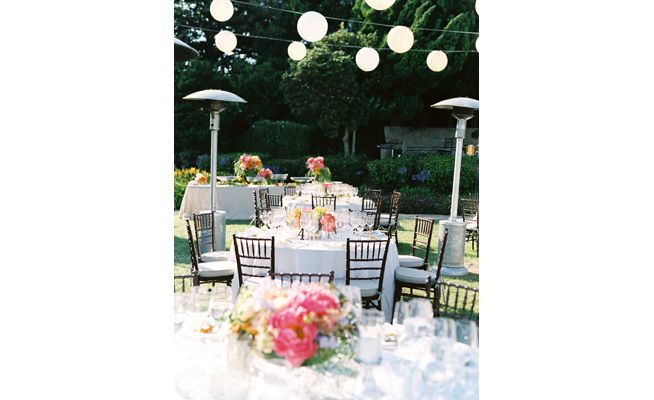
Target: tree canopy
(325,90)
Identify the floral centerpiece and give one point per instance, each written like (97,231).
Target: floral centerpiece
(200,179)
(246,166)
(326,221)
(266,174)
(318,170)
(296,217)
(305,324)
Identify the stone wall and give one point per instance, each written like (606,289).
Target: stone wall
(426,137)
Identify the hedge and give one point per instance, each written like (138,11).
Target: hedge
(280,139)
(391,173)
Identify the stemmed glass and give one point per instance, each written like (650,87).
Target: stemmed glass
(342,220)
(369,349)
(265,218)
(370,221)
(305,222)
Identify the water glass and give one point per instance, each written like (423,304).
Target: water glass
(467,333)
(353,297)
(416,315)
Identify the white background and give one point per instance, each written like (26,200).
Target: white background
(87,245)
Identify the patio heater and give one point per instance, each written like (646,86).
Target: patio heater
(463,108)
(184,52)
(215,101)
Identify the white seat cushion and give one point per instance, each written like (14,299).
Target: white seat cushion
(471,226)
(216,269)
(368,287)
(214,256)
(412,275)
(411,261)
(383,219)
(255,280)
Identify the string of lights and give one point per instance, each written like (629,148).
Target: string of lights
(326,44)
(352,20)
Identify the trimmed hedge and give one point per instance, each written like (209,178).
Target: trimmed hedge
(438,171)
(280,139)
(422,200)
(391,173)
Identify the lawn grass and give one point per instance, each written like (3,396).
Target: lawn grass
(405,236)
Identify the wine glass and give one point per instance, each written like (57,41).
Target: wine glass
(353,297)
(438,370)
(265,218)
(417,317)
(305,222)
(369,349)
(467,333)
(370,221)
(342,219)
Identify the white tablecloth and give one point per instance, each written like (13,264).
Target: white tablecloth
(237,201)
(321,256)
(342,203)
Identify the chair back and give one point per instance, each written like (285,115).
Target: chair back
(257,211)
(469,206)
(372,203)
(253,255)
(291,277)
(289,190)
(275,200)
(366,260)
(455,301)
(395,209)
(205,231)
(441,254)
(323,201)
(191,249)
(422,233)
(264,205)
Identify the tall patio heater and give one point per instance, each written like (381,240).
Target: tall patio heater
(463,108)
(215,101)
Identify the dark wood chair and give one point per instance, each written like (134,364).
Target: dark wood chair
(275,201)
(389,222)
(255,258)
(205,236)
(257,211)
(371,202)
(422,233)
(323,201)
(365,265)
(454,300)
(413,278)
(290,190)
(290,277)
(208,272)
(264,205)
(470,211)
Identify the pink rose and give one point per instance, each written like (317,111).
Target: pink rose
(328,223)
(293,338)
(246,159)
(320,159)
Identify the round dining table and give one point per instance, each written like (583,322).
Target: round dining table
(342,203)
(293,254)
(235,200)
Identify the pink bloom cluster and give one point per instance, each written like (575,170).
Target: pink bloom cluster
(266,173)
(249,162)
(312,310)
(316,163)
(328,223)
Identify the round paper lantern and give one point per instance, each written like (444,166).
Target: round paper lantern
(380,4)
(312,26)
(221,10)
(367,59)
(226,41)
(297,51)
(437,61)
(477,44)
(400,39)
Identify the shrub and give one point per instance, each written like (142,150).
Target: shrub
(391,173)
(203,161)
(292,167)
(281,139)
(352,170)
(436,172)
(422,200)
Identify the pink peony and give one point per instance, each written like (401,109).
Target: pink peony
(266,173)
(321,305)
(246,159)
(328,223)
(293,338)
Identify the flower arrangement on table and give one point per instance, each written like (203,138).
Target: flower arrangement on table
(247,166)
(296,217)
(266,174)
(318,170)
(200,179)
(326,221)
(305,325)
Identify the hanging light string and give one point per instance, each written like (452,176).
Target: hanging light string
(326,44)
(352,20)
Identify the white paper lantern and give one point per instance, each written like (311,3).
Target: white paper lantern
(477,44)
(226,41)
(312,26)
(380,4)
(437,61)
(367,59)
(297,51)
(221,10)
(400,39)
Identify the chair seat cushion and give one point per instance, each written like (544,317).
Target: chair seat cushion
(384,219)
(255,280)
(471,226)
(216,269)
(214,256)
(411,261)
(368,287)
(412,275)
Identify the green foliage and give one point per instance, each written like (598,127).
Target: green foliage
(422,200)
(292,167)
(352,170)
(391,173)
(280,139)
(441,172)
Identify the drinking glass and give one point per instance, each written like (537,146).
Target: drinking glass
(369,349)
(265,218)
(416,315)
(180,310)
(305,222)
(353,296)
(370,221)
(467,333)
(342,219)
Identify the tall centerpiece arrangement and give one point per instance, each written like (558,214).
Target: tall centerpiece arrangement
(266,173)
(304,325)
(326,220)
(318,170)
(247,166)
